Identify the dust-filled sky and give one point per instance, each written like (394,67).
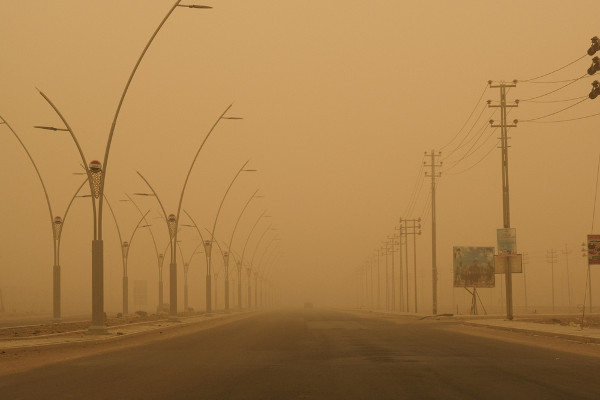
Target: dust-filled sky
(339,99)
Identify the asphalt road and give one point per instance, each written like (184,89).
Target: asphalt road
(324,354)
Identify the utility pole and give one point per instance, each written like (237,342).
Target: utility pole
(584,253)
(370,263)
(505,192)
(413,230)
(525,262)
(391,242)
(378,281)
(566,252)
(552,258)
(433,174)
(387,277)
(400,235)
(414,233)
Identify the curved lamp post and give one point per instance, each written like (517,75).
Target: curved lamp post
(186,268)
(241,260)
(205,243)
(173,219)
(266,271)
(258,272)
(208,243)
(159,256)
(226,254)
(56,223)
(125,246)
(249,268)
(96,177)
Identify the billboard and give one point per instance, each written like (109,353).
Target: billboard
(593,249)
(474,267)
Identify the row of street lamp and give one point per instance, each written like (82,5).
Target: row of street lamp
(96,178)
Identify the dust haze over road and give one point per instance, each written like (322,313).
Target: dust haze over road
(323,354)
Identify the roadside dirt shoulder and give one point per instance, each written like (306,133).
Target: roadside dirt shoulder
(21,359)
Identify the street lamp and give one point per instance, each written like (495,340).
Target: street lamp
(239,263)
(186,268)
(249,269)
(258,271)
(125,246)
(56,222)
(159,256)
(173,219)
(208,243)
(96,178)
(226,254)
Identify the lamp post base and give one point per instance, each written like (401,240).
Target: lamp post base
(98,330)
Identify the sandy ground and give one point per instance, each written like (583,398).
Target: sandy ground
(16,360)
(62,327)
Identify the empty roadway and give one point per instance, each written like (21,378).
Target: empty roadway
(322,354)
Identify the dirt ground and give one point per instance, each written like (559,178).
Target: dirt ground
(589,321)
(63,327)
(19,359)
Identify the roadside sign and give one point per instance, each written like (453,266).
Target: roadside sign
(501,261)
(507,241)
(593,249)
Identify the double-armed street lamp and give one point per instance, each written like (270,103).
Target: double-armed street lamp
(96,173)
(125,246)
(57,224)
(227,254)
(258,272)
(173,219)
(208,243)
(159,256)
(249,269)
(239,263)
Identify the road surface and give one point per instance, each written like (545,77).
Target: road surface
(322,354)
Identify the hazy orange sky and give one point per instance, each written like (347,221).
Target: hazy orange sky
(340,100)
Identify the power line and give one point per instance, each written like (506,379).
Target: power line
(556,90)
(554,101)
(552,72)
(468,118)
(556,112)
(478,162)
(462,142)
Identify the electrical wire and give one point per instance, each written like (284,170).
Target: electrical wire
(556,70)
(556,90)
(552,82)
(416,191)
(460,145)
(468,118)
(556,112)
(473,152)
(470,153)
(554,101)
(563,120)
(478,162)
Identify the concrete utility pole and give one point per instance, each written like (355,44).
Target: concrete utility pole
(505,192)
(566,252)
(405,230)
(525,262)
(392,242)
(400,235)
(378,280)
(433,174)
(552,258)
(416,230)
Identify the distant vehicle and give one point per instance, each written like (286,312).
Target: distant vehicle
(308,304)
